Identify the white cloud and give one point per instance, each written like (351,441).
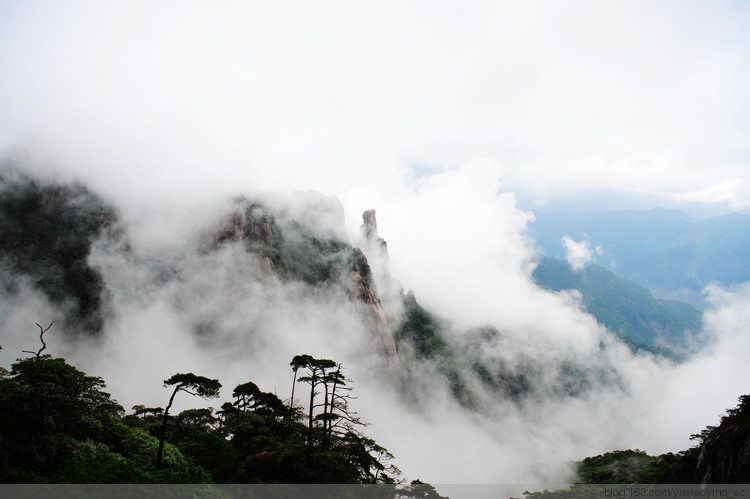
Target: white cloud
(468,261)
(177,97)
(174,105)
(578,254)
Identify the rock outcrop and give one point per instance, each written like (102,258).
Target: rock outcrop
(364,291)
(370,232)
(724,455)
(292,246)
(257,230)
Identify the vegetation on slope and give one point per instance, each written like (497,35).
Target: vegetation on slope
(422,335)
(624,307)
(720,457)
(58,425)
(291,248)
(665,250)
(479,356)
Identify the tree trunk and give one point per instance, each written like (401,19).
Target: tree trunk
(294,383)
(160,454)
(333,398)
(238,417)
(325,412)
(312,402)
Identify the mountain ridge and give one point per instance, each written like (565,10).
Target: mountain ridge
(626,308)
(673,254)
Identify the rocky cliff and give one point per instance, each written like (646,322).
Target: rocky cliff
(46,235)
(369,230)
(361,276)
(310,250)
(724,454)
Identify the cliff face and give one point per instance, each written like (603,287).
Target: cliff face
(361,276)
(249,224)
(724,454)
(307,248)
(46,234)
(370,232)
(48,231)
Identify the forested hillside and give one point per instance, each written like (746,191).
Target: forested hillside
(626,308)
(245,287)
(58,425)
(719,457)
(667,251)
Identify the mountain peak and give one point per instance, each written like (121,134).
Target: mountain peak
(369,230)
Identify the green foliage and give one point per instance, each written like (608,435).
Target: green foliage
(51,412)
(624,307)
(276,446)
(139,446)
(103,468)
(189,383)
(299,361)
(58,425)
(248,389)
(419,490)
(621,466)
(316,261)
(719,457)
(423,334)
(422,330)
(113,468)
(357,262)
(195,385)
(577,491)
(664,250)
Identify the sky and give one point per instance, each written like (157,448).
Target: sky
(455,122)
(357,100)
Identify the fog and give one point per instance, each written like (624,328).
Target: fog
(431,115)
(177,307)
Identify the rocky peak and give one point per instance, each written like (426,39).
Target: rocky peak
(254,226)
(369,230)
(247,222)
(303,244)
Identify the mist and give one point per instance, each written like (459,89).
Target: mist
(177,307)
(433,116)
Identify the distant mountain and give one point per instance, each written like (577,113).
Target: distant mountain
(46,233)
(668,251)
(624,307)
(48,229)
(51,229)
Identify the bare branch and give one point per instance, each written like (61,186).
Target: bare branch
(42,330)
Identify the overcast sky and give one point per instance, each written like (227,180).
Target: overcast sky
(357,98)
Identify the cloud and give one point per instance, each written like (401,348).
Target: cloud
(173,99)
(578,253)
(218,314)
(432,115)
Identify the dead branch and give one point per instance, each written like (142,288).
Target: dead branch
(41,338)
